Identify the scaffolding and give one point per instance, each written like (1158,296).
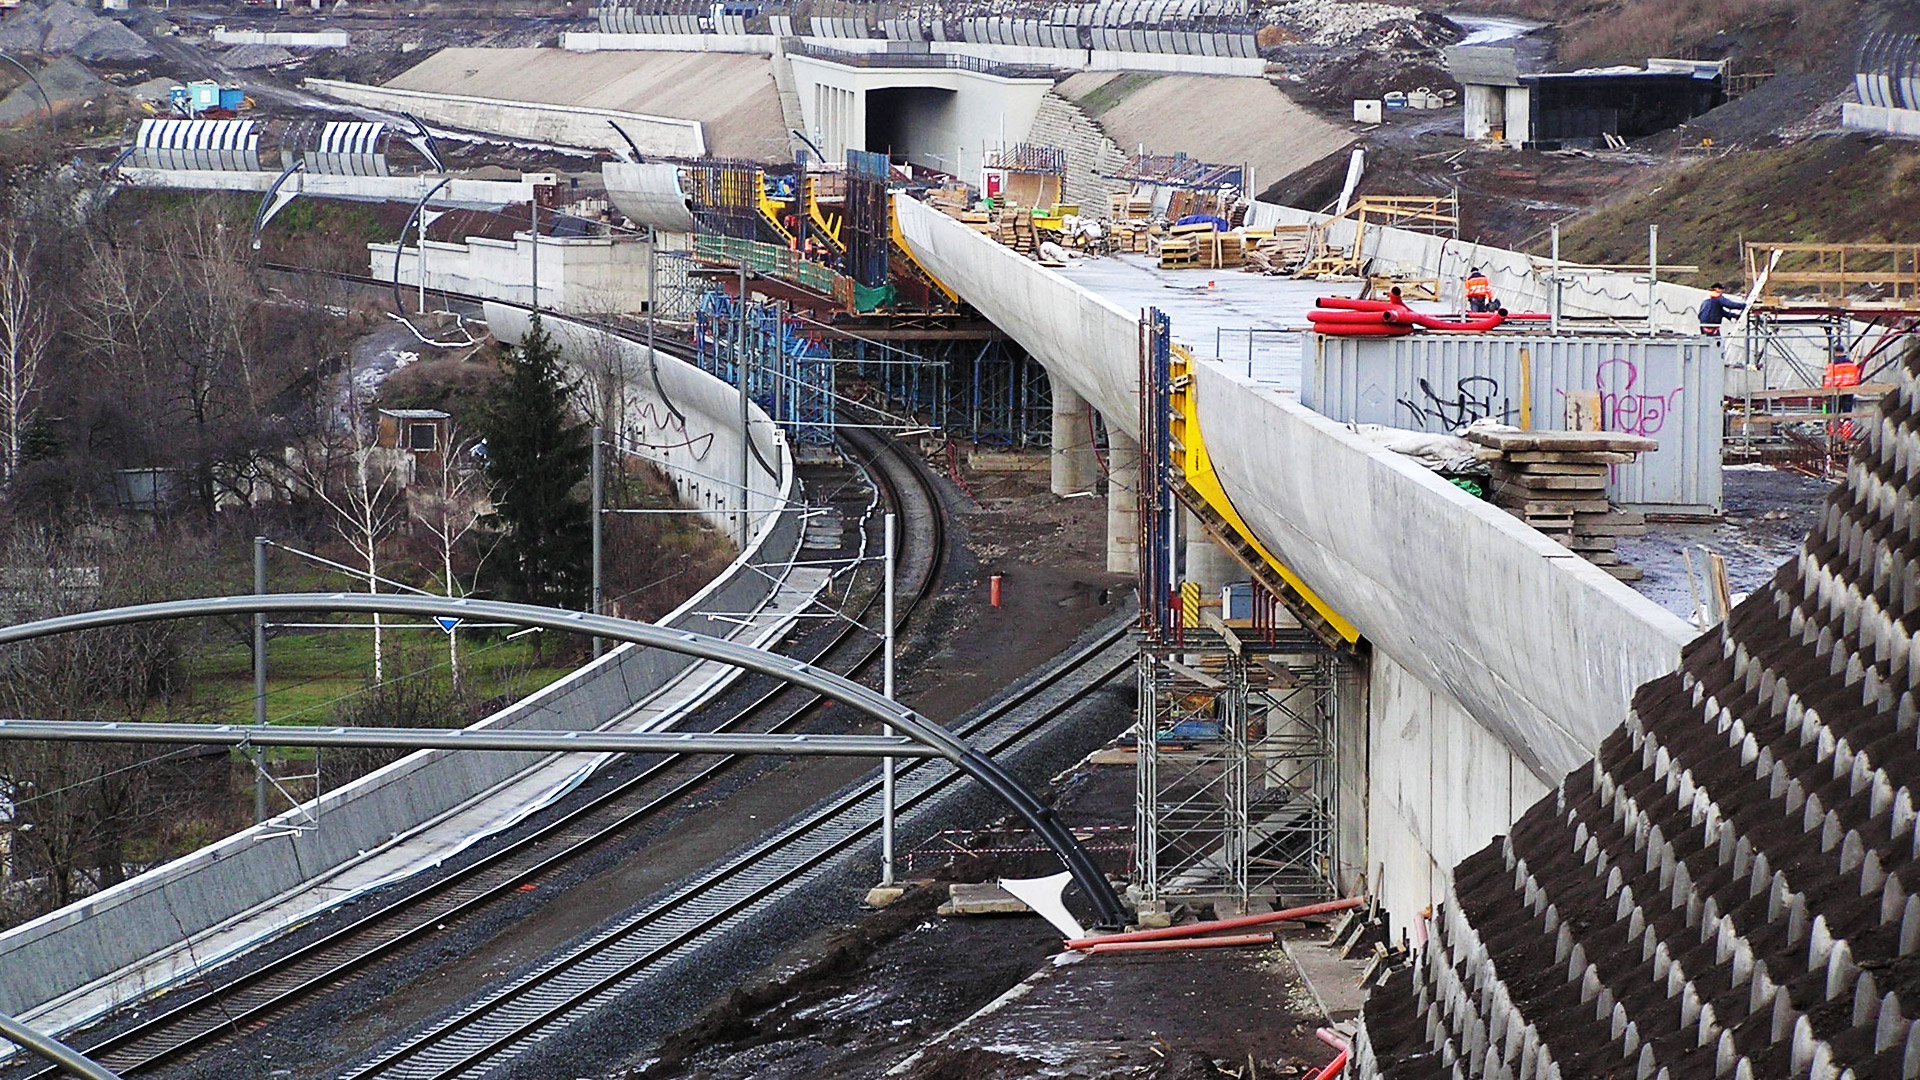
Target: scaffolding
(991,392)
(789,372)
(1237,792)
(1237,782)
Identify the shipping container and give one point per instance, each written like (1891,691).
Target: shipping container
(1666,389)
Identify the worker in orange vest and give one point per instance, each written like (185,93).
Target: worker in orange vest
(1479,291)
(1842,373)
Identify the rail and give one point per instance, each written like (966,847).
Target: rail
(925,60)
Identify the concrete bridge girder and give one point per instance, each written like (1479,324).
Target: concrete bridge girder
(1499,659)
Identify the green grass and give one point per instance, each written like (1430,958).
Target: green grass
(312,673)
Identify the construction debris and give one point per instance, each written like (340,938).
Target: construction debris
(1556,481)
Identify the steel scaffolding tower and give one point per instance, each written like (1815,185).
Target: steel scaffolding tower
(789,373)
(1236,782)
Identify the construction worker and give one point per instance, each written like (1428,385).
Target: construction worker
(1479,291)
(1715,308)
(1842,374)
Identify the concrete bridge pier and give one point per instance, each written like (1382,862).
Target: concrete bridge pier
(1074,466)
(1123,505)
(1207,564)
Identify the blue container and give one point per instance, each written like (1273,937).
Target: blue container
(203,95)
(231,97)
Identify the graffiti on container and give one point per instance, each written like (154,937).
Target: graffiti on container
(1622,409)
(1475,397)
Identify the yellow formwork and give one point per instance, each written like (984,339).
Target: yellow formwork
(1200,482)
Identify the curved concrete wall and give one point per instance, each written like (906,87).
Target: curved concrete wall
(567,125)
(692,431)
(64,951)
(1499,658)
(1081,338)
(1537,644)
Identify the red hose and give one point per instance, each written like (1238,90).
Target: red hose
(1183,943)
(1358,305)
(1318,315)
(1190,929)
(1333,1067)
(1361,330)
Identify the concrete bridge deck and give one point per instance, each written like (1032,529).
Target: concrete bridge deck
(1499,659)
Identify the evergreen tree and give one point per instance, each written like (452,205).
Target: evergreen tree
(537,459)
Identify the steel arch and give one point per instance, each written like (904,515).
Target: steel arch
(961,755)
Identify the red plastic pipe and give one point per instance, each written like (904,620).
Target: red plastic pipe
(1193,943)
(1358,305)
(1361,330)
(1341,315)
(1333,1067)
(1191,929)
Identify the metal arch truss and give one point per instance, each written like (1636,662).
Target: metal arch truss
(897,717)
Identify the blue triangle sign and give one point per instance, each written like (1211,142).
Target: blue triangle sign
(447,622)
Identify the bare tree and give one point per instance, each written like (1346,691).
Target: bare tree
(450,510)
(361,484)
(26,329)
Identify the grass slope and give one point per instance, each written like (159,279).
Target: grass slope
(1836,189)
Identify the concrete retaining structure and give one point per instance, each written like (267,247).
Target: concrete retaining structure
(58,955)
(1010,55)
(291,39)
(584,275)
(1880,118)
(1483,689)
(565,125)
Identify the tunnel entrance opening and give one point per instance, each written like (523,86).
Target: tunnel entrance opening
(900,120)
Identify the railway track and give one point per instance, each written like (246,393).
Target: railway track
(568,988)
(661,785)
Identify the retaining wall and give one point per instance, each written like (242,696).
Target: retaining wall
(593,275)
(565,125)
(66,950)
(1011,55)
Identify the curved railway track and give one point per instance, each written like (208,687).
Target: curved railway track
(569,987)
(657,788)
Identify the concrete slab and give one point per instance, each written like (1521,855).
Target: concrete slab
(1250,322)
(1333,982)
(982,899)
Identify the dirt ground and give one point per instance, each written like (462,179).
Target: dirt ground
(905,991)
(1768,514)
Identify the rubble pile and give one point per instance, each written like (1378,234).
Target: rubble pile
(66,29)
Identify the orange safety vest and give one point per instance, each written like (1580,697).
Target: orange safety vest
(1841,373)
(1479,288)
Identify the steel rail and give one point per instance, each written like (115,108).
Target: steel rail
(442,899)
(605,966)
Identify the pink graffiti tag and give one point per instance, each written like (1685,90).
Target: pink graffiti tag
(1624,410)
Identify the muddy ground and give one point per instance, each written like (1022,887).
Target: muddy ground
(863,1000)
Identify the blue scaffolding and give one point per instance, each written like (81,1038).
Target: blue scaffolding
(789,373)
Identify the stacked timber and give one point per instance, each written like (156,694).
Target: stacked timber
(1556,481)
(1016,230)
(1125,207)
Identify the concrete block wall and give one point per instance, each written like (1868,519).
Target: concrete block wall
(565,125)
(1092,155)
(89,941)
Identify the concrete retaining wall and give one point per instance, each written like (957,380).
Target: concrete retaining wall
(1011,55)
(1880,118)
(292,39)
(61,952)
(582,275)
(565,125)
